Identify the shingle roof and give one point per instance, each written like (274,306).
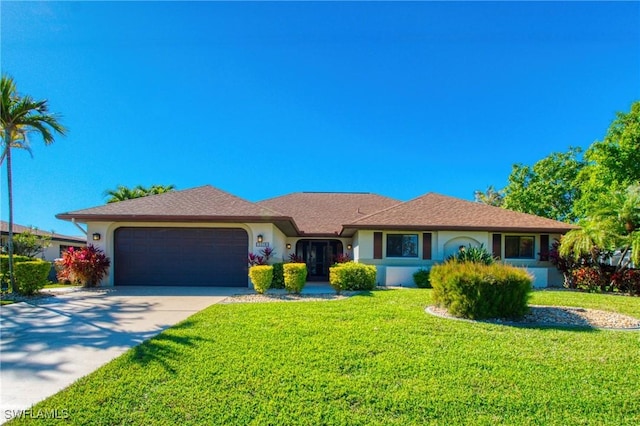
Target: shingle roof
(19,229)
(439,212)
(320,213)
(324,213)
(204,203)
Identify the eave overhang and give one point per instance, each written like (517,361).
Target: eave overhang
(350,230)
(284,223)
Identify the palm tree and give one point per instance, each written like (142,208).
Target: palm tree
(160,189)
(21,115)
(122,192)
(490,196)
(613,225)
(20,141)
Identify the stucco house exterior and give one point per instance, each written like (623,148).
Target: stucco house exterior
(59,242)
(201,236)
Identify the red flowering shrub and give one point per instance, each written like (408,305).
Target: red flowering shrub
(627,281)
(342,258)
(86,266)
(262,258)
(588,278)
(255,260)
(294,258)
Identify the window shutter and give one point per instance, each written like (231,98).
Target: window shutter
(544,247)
(497,246)
(426,246)
(377,245)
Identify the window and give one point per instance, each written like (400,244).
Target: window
(519,247)
(402,245)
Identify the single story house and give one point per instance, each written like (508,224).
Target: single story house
(202,236)
(59,242)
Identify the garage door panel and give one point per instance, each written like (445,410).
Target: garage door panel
(181,256)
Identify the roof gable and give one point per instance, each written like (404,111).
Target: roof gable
(435,211)
(324,213)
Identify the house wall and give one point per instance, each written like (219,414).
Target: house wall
(270,233)
(394,271)
(52,252)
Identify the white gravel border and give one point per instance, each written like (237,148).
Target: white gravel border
(557,316)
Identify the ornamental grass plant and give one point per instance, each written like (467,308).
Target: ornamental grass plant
(479,291)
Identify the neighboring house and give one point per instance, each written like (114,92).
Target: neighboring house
(59,243)
(201,236)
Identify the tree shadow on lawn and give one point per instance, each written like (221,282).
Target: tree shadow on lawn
(49,335)
(166,347)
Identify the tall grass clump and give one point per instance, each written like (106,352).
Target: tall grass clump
(479,291)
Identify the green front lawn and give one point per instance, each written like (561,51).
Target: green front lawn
(375,358)
(60,285)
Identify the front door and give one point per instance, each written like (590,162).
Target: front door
(319,255)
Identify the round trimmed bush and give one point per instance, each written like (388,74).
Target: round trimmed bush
(352,276)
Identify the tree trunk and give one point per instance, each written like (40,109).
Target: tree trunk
(8,141)
(629,227)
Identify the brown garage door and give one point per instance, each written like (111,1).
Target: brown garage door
(181,256)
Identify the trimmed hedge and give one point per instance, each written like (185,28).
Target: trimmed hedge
(31,277)
(278,275)
(352,276)
(261,277)
(295,277)
(478,291)
(4,261)
(421,278)
(4,267)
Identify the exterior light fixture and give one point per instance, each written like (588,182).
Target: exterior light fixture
(349,246)
(96,236)
(260,238)
(288,246)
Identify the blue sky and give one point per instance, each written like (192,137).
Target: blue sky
(263,99)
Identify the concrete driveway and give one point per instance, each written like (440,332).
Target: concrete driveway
(49,344)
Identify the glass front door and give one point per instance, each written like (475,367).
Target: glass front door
(319,255)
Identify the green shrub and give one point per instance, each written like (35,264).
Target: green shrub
(4,267)
(261,277)
(295,276)
(352,276)
(278,276)
(421,278)
(4,261)
(478,291)
(31,276)
(473,254)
